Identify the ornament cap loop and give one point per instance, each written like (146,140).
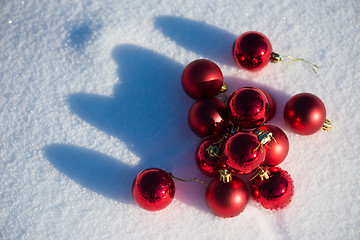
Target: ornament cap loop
(263,173)
(225,175)
(327,125)
(224,88)
(275,57)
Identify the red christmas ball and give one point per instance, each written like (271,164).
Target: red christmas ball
(277,148)
(227,199)
(272,106)
(252,51)
(208,117)
(243,152)
(305,113)
(208,155)
(202,78)
(248,107)
(153,189)
(274,192)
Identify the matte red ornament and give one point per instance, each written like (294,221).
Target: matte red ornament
(305,113)
(249,107)
(208,155)
(208,117)
(274,192)
(243,152)
(252,51)
(227,199)
(277,149)
(202,78)
(153,189)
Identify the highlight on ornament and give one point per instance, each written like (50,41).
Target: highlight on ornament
(253,51)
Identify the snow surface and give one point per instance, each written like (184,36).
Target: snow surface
(91,95)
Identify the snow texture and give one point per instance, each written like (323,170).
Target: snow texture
(91,95)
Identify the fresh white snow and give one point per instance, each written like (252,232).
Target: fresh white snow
(91,95)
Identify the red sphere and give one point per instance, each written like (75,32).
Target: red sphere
(202,78)
(227,199)
(153,189)
(248,107)
(276,150)
(275,192)
(243,152)
(272,106)
(208,117)
(208,155)
(252,51)
(305,113)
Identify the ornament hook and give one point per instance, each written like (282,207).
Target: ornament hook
(264,138)
(194,179)
(275,57)
(263,173)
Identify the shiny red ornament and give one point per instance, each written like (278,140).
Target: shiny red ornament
(305,113)
(277,148)
(249,107)
(202,78)
(227,199)
(208,117)
(252,51)
(243,152)
(274,192)
(272,106)
(208,155)
(153,189)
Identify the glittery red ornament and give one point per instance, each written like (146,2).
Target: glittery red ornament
(208,155)
(305,114)
(252,51)
(248,107)
(153,189)
(202,78)
(243,152)
(277,148)
(227,199)
(208,117)
(275,190)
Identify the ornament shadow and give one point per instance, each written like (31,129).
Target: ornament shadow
(209,41)
(93,170)
(148,111)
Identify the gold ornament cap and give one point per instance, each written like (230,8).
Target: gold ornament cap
(225,175)
(327,125)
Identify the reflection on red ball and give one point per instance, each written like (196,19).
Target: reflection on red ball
(153,189)
(248,107)
(227,199)
(202,78)
(243,152)
(208,155)
(305,113)
(276,150)
(208,117)
(275,192)
(272,106)
(252,51)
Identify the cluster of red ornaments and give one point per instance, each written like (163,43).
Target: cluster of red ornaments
(236,139)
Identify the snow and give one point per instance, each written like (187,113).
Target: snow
(91,96)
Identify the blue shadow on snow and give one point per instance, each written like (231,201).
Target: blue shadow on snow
(209,41)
